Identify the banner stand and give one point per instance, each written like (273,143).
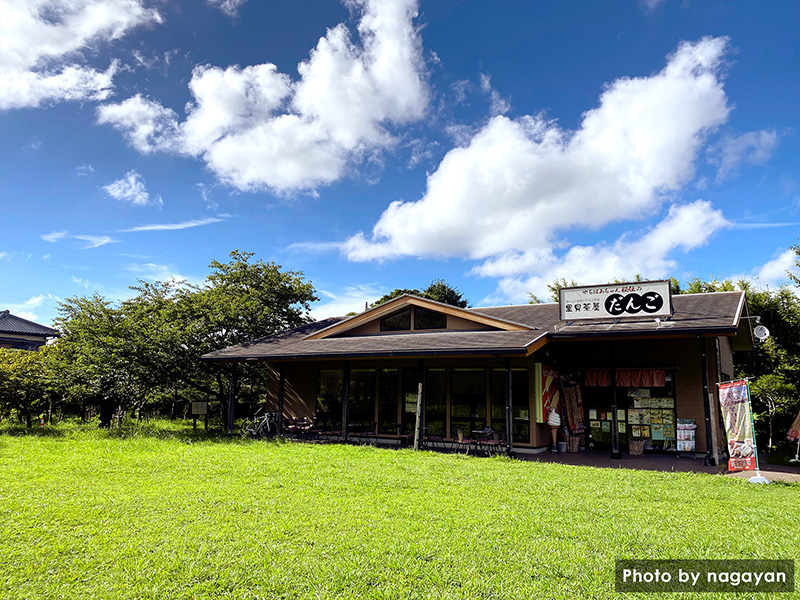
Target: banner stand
(740,427)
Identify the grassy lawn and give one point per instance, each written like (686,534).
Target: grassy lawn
(169,514)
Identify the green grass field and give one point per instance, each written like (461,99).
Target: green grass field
(163,513)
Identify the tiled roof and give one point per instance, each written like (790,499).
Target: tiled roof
(12,324)
(694,314)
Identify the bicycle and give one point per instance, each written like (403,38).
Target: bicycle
(261,426)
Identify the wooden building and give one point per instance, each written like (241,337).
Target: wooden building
(503,367)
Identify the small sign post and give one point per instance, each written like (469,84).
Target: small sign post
(199,408)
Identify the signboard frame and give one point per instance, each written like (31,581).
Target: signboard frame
(633,300)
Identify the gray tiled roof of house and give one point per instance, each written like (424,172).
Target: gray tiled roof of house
(693,314)
(12,324)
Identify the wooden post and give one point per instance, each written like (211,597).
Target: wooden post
(231,400)
(418,418)
(509,412)
(711,458)
(345,400)
(281,393)
(615,452)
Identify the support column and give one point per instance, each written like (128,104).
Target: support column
(345,399)
(418,417)
(281,393)
(509,411)
(711,458)
(615,452)
(232,399)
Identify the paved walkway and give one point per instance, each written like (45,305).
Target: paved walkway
(660,462)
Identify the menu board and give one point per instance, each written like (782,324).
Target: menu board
(658,424)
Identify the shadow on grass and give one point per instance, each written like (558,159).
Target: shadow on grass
(180,431)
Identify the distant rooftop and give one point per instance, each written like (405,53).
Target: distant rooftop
(12,324)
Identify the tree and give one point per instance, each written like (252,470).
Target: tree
(438,290)
(149,346)
(775,396)
(23,384)
(792,277)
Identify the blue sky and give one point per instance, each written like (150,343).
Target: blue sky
(376,145)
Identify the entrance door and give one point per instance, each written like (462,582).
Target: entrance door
(599,404)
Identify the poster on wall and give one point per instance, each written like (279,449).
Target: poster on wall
(549,391)
(734,400)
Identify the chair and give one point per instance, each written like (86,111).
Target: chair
(370,438)
(316,430)
(406,439)
(435,440)
(461,441)
(494,443)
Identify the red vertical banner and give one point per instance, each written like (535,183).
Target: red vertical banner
(794,430)
(551,389)
(737,414)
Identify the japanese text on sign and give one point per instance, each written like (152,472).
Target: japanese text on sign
(640,299)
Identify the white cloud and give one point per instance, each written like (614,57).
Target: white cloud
(684,228)
(229,7)
(148,126)
(95,241)
(205,194)
(174,226)
(42,44)
(54,236)
(751,148)
(256,128)
(25,309)
(499,105)
(82,282)
(773,272)
(15,255)
(131,189)
(84,169)
(650,5)
(520,181)
(346,300)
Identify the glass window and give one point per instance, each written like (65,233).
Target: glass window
(400,321)
(388,394)
(329,396)
(435,393)
(520,403)
(361,407)
(408,410)
(468,400)
(428,319)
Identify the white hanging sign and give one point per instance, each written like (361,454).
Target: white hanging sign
(640,299)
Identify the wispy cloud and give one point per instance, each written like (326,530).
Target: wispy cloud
(315,247)
(345,300)
(54,236)
(15,255)
(84,169)
(131,189)
(81,282)
(95,241)
(740,225)
(25,309)
(173,226)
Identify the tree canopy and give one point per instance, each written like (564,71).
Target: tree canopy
(146,349)
(438,290)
